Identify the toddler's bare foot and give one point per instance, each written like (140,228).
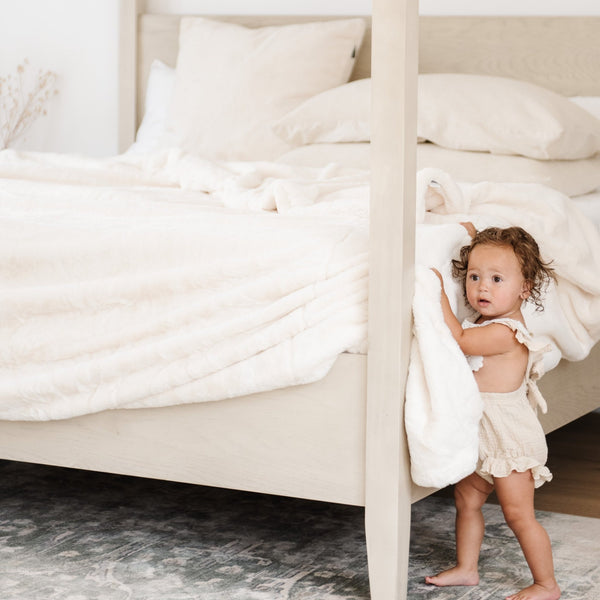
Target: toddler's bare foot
(537,592)
(454,576)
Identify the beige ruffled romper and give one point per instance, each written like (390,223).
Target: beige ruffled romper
(511,437)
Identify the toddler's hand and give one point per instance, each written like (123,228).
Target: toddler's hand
(470,228)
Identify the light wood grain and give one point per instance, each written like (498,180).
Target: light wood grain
(391,276)
(560,53)
(127,92)
(306,441)
(571,390)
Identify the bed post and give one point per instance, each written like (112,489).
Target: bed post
(392,234)
(127,15)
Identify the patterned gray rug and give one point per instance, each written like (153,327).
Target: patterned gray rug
(72,535)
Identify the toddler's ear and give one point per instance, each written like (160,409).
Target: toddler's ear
(525,290)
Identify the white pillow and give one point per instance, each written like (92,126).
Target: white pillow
(341,114)
(503,116)
(571,177)
(159,90)
(232,82)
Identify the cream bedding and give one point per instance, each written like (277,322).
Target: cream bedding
(571,177)
(131,293)
(589,205)
(147,280)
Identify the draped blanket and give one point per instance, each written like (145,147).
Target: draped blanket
(161,279)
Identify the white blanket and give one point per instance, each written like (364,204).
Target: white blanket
(120,288)
(161,279)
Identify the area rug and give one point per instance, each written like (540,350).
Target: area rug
(73,535)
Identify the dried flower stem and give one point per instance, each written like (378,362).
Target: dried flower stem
(22,102)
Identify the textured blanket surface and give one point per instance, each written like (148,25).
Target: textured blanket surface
(161,279)
(122,286)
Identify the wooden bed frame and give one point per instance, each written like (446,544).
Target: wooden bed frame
(340,439)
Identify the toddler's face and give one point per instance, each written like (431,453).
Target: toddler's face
(495,284)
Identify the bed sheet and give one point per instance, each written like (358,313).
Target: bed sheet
(571,177)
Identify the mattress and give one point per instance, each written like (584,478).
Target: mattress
(571,177)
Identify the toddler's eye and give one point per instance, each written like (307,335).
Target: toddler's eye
(497,279)
(474,277)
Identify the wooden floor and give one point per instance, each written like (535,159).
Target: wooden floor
(574,459)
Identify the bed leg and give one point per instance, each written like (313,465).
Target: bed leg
(394,62)
(387,523)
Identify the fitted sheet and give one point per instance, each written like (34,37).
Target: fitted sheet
(571,177)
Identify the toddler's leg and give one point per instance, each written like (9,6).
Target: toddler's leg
(470,495)
(515,494)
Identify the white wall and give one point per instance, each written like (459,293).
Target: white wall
(79,39)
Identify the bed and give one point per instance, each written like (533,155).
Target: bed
(340,438)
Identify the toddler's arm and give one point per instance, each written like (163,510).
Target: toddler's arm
(493,339)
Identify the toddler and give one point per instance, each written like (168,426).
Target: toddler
(500,269)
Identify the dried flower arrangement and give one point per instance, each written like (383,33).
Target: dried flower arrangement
(23,98)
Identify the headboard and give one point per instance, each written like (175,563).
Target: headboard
(560,53)
(158,37)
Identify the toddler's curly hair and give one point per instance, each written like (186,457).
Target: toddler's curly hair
(536,272)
